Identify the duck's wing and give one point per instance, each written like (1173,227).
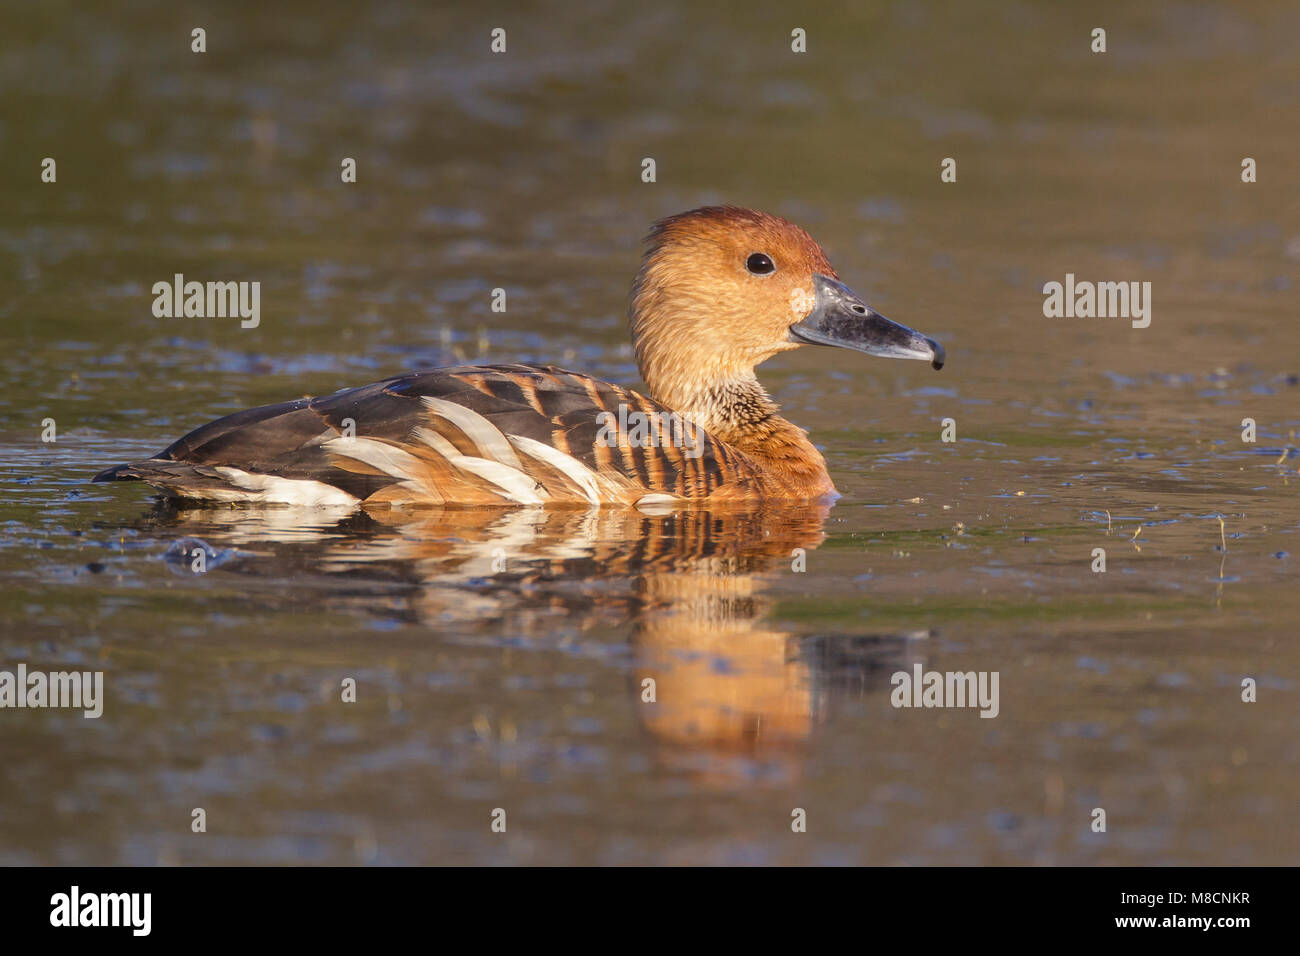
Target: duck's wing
(465,435)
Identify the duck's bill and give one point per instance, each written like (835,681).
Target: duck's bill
(840,318)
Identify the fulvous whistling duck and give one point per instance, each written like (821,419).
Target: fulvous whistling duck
(720,290)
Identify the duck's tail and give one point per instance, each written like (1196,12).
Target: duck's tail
(189,480)
(120,473)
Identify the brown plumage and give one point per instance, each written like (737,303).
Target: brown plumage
(720,290)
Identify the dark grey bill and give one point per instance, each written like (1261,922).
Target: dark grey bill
(840,318)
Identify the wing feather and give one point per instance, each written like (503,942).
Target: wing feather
(464,435)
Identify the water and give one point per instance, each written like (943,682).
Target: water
(499,658)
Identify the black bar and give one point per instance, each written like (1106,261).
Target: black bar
(328,905)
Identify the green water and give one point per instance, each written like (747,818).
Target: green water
(499,658)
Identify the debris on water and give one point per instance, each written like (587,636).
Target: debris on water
(194,555)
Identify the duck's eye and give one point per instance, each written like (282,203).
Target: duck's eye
(759,264)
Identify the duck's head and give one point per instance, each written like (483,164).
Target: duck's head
(722,289)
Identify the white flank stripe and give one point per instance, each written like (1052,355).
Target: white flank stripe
(567,465)
(657,504)
(489,439)
(287,491)
(518,486)
(435,441)
(389,459)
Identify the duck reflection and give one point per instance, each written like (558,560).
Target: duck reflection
(725,692)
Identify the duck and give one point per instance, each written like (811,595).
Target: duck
(720,290)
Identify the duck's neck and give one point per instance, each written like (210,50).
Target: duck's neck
(738,411)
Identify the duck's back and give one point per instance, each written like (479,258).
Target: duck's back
(464,435)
